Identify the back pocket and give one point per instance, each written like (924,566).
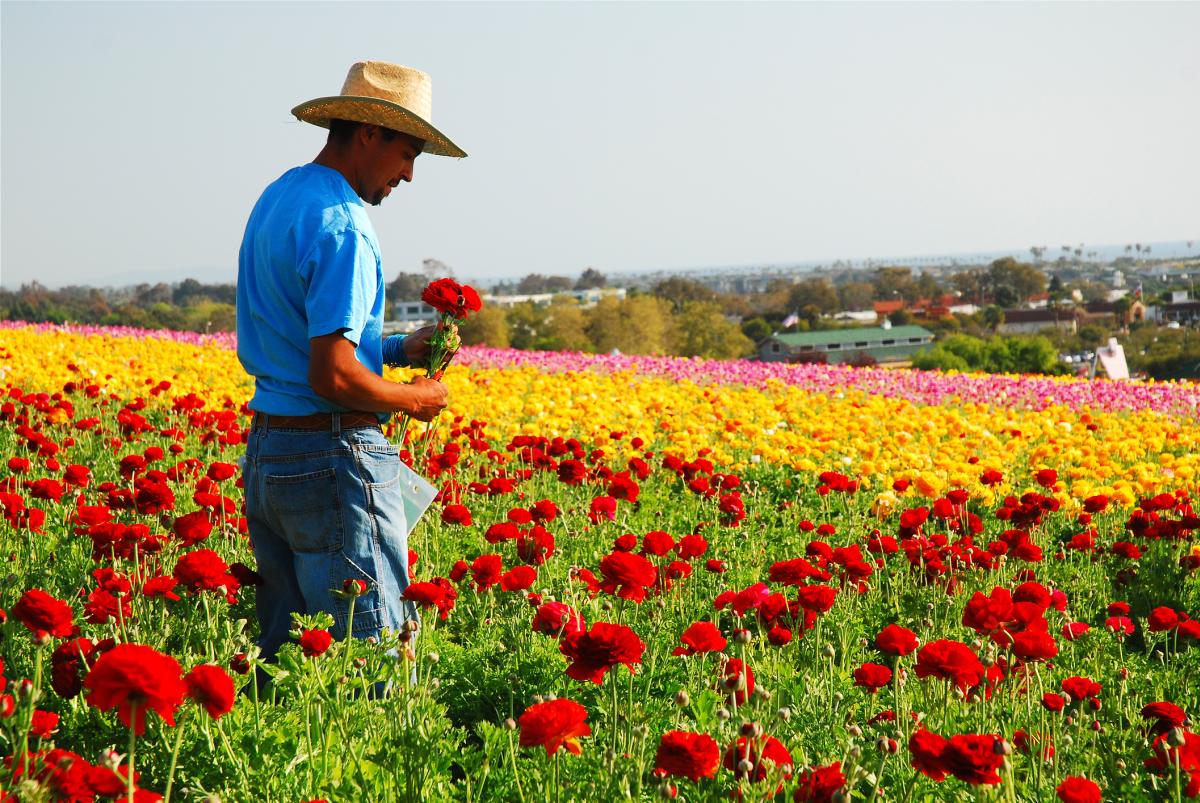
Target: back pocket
(307,509)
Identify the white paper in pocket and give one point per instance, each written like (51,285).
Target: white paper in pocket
(418,495)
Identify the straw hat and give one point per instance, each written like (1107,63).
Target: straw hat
(388,95)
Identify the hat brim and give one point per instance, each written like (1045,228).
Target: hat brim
(377,112)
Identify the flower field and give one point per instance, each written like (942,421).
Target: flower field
(643,578)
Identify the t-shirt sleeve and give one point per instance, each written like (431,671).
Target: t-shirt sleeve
(341,281)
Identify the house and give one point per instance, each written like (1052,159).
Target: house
(886,308)
(1181,312)
(875,344)
(1107,311)
(1032,321)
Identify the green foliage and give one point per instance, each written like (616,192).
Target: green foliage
(703,331)
(1020,355)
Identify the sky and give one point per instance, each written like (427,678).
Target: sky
(136,137)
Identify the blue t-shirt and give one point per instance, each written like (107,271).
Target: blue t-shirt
(309,266)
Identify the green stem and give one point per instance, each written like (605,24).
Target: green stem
(174,758)
(133,711)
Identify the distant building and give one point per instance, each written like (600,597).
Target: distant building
(409,315)
(586,298)
(1032,321)
(878,344)
(1100,310)
(1184,312)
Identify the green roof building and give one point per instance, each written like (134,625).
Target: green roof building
(874,344)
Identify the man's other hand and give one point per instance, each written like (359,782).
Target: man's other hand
(429,398)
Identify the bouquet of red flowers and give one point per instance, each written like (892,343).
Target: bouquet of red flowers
(455,302)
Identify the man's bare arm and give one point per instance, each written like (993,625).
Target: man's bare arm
(336,375)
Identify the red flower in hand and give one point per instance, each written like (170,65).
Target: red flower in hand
(133,679)
(451,298)
(554,724)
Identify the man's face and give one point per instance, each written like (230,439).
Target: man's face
(385,163)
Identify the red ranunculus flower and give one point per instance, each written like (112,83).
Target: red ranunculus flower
(211,687)
(1162,619)
(820,784)
(760,753)
(555,618)
(1163,716)
(1081,688)
(134,678)
(699,638)
(603,508)
(554,724)
(794,572)
(43,614)
(1034,645)
(219,472)
(1047,478)
(973,758)
(950,660)
(687,755)
(438,593)
(1074,789)
(451,298)
(314,643)
(872,677)
(627,575)
(926,748)
(598,650)
(518,578)
(816,598)
(456,514)
(486,570)
(657,542)
(192,528)
(896,640)
(205,570)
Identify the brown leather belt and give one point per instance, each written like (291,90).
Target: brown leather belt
(316,421)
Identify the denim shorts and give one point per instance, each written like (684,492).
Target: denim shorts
(324,507)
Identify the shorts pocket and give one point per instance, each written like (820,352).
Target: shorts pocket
(307,509)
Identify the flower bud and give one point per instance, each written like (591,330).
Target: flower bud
(682,699)
(784,714)
(723,714)
(1002,747)
(432,657)
(1176,737)
(752,730)
(745,767)
(828,652)
(510,724)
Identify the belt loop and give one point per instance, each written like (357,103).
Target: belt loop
(337,423)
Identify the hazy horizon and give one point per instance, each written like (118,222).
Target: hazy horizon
(135,137)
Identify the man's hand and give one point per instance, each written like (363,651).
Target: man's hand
(416,345)
(428,399)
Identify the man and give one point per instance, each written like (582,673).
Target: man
(325,490)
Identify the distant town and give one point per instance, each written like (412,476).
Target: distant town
(1052,311)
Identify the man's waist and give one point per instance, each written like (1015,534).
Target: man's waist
(317,421)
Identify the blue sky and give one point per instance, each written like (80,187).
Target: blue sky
(625,136)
